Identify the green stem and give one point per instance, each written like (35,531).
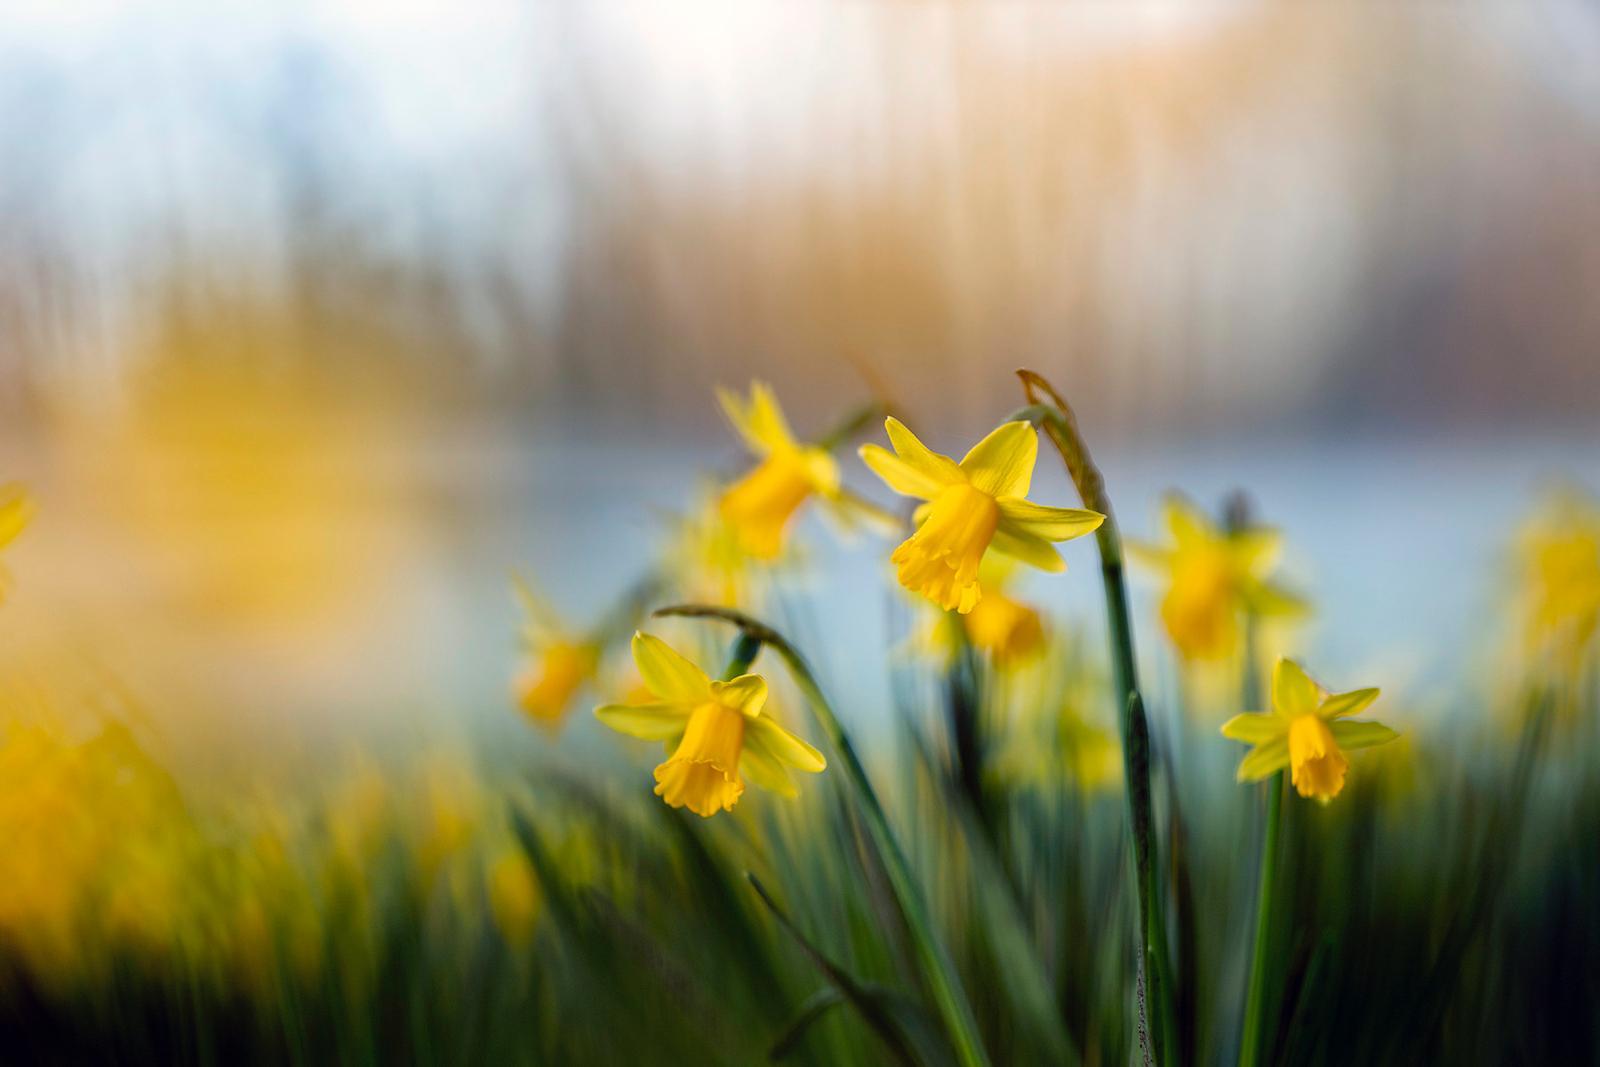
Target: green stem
(937,967)
(1254,1009)
(1156,1016)
(744,653)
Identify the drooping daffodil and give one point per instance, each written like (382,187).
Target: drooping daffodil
(718,733)
(972,506)
(1308,731)
(1214,576)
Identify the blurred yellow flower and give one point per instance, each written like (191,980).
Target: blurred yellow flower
(513,896)
(1305,731)
(1009,630)
(759,506)
(705,559)
(715,732)
(16,508)
(1559,555)
(978,504)
(557,665)
(1006,628)
(1213,577)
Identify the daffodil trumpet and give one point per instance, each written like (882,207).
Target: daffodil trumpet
(1156,1014)
(938,969)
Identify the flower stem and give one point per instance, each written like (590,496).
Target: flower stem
(744,653)
(1157,1019)
(938,969)
(1250,1040)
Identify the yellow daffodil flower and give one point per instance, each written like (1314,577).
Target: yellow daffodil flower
(513,896)
(760,505)
(1009,630)
(16,508)
(716,733)
(705,558)
(1559,556)
(999,624)
(1306,731)
(972,506)
(1213,577)
(558,664)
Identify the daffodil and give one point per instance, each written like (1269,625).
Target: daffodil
(1005,627)
(1213,577)
(16,508)
(705,559)
(1008,629)
(716,732)
(558,663)
(972,507)
(1559,556)
(760,505)
(1308,731)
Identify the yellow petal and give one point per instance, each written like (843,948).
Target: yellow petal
(668,674)
(1147,555)
(758,765)
(1254,728)
(1034,551)
(647,722)
(1188,523)
(1361,734)
(1293,691)
(760,422)
(1264,759)
(1256,550)
(1271,600)
(745,694)
(1002,463)
(16,508)
(849,512)
(822,470)
(1040,520)
(1350,703)
(784,747)
(913,469)
(897,474)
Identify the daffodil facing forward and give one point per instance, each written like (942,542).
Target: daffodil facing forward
(972,506)
(760,505)
(16,509)
(716,732)
(1308,731)
(1214,576)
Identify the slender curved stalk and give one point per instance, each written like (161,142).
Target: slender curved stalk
(1255,997)
(938,969)
(1157,1018)
(744,653)
(1252,1036)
